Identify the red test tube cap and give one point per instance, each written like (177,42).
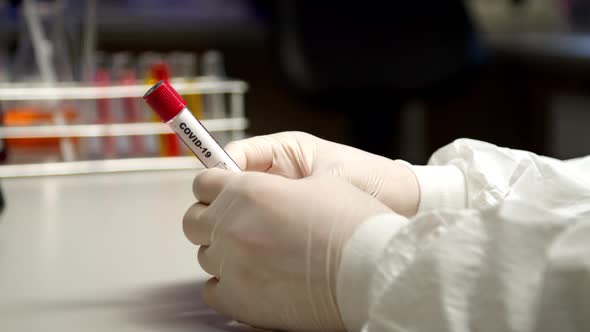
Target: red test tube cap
(164,100)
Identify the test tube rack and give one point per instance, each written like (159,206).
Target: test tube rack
(235,124)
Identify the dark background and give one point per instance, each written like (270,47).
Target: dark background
(400,80)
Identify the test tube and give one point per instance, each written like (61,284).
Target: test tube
(120,64)
(3,79)
(171,108)
(189,68)
(144,63)
(214,104)
(104,115)
(132,112)
(169,143)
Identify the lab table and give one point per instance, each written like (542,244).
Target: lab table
(102,252)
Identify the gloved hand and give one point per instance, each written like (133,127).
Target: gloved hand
(274,245)
(298,155)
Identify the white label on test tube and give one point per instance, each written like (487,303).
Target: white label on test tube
(200,141)
(171,108)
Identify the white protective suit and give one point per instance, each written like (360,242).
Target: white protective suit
(501,242)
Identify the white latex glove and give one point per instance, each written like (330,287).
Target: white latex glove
(274,245)
(299,155)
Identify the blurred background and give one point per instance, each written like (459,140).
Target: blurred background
(397,79)
(103,249)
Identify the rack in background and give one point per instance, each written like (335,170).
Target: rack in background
(78,147)
(68,107)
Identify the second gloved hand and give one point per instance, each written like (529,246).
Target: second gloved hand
(299,155)
(274,245)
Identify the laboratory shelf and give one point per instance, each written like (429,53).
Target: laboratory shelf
(115,129)
(23,91)
(229,123)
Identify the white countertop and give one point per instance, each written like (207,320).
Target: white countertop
(101,253)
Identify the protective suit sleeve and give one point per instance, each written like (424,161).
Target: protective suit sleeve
(514,267)
(358,266)
(474,174)
(582,163)
(517,259)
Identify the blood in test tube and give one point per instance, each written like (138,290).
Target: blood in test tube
(132,111)
(104,114)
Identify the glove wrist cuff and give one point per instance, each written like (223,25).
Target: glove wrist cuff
(441,187)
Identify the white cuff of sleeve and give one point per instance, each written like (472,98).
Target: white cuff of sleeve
(441,187)
(358,266)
